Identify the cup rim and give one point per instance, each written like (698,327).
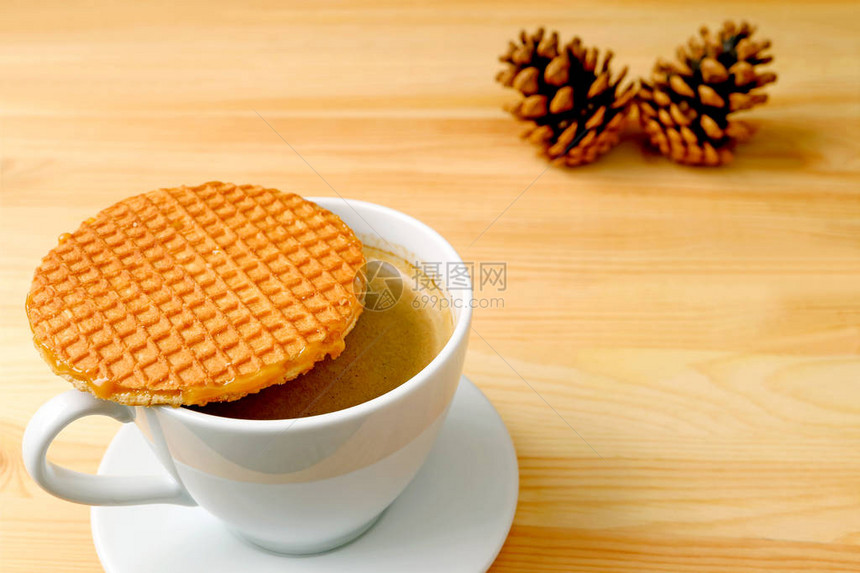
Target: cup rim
(459,334)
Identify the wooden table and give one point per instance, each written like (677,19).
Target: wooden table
(700,329)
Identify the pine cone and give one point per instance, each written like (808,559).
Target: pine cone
(574,107)
(686,107)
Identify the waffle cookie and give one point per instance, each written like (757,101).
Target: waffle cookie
(196,294)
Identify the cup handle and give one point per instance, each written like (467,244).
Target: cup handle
(64,483)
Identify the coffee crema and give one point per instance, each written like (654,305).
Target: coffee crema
(401,330)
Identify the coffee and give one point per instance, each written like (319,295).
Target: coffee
(402,328)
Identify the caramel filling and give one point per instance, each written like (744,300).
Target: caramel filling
(102,388)
(249,383)
(246,384)
(106,389)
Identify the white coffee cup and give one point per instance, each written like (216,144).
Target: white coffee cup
(291,486)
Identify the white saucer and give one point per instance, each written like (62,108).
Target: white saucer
(455,516)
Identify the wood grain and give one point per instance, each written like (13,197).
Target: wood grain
(699,328)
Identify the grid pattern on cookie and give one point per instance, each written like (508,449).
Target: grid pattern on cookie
(196,286)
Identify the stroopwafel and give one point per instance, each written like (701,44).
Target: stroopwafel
(196,294)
